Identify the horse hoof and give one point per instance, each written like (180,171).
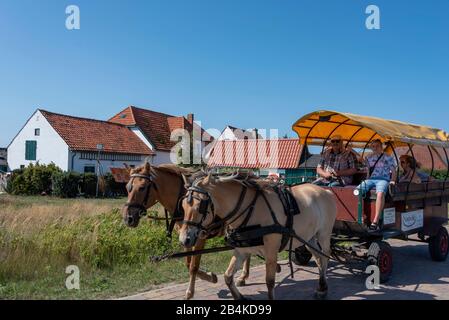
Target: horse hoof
(278,269)
(189,295)
(214,278)
(320,295)
(240,283)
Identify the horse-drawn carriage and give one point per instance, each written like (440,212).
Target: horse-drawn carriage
(413,211)
(262,219)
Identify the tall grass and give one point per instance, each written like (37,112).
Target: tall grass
(39,237)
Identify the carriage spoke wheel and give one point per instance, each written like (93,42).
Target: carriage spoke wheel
(302,256)
(439,245)
(380,255)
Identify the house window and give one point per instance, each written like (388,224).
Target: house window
(22,166)
(30,150)
(89,169)
(37,132)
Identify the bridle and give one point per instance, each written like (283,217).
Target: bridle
(178,215)
(141,206)
(204,206)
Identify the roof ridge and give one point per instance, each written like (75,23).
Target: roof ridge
(162,113)
(80,118)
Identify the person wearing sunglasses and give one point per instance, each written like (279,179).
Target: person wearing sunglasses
(337,166)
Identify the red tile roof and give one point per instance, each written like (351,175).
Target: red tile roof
(83,134)
(256,154)
(156,126)
(423,157)
(121,175)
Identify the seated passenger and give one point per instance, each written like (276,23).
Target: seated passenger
(337,166)
(410,167)
(382,173)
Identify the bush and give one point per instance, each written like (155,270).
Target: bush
(65,184)
(113,188)
(88,184)
(33,180)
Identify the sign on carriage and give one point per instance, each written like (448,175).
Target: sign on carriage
(412,220)
(389,216)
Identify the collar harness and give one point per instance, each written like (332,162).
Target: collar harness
(244,235)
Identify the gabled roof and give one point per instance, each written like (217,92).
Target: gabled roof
(247,132)
(256,154)
(82,134)
(156,126)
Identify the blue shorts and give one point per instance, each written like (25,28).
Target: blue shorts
(379,184)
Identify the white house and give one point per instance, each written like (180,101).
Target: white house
(73,144)
(233,133)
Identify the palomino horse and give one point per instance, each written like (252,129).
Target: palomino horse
(165,184)
(233,203)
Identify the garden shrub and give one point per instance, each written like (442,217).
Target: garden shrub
(88,184)
(65,184)
(32,180)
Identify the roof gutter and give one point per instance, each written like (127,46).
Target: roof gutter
(73,160)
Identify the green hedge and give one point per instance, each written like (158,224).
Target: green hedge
(49,179)
(33,180)
(66,184)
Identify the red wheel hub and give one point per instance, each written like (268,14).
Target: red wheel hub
(385,261)
(444,244)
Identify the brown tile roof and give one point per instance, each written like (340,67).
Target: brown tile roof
(156,126)
(256,154)
(83,134)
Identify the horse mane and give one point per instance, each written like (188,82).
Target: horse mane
(172,168)
(251,180)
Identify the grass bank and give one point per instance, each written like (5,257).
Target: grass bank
(41,236)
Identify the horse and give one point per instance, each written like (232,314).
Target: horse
(166,184)
(214,201)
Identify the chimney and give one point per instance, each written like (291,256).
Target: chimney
(190,118)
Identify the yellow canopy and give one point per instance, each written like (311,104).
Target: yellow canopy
(317,127)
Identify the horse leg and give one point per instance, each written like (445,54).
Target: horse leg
(241,281)
(203,275)
(322,262)
(271,257)
(234,265)
(194,271)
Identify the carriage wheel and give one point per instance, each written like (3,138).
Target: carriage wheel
(302,256)
(380,254)
(439,245)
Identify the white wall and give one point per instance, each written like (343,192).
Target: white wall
(79,164)
(162,157)
(229,134)
(50,146)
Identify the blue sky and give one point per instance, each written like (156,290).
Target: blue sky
(246,63)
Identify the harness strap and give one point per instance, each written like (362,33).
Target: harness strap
(235,211)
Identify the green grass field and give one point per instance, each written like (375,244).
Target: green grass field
(41,236)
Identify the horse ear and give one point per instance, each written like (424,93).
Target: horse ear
(185,179)
(210,179)
(147,167)
(128,168)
